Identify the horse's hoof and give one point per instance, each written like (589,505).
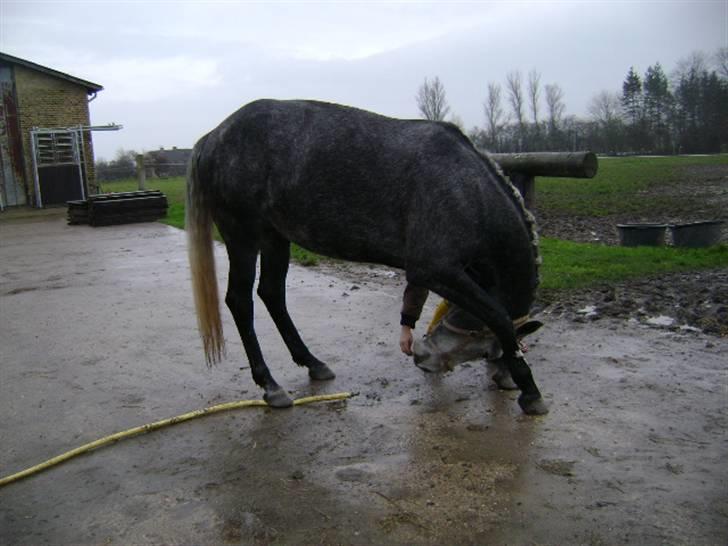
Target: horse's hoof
(504,381)
(321,372)
(278,398)
(532,406)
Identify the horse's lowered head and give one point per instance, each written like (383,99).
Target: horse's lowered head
(459,337)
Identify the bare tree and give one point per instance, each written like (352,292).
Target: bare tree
(493,113)
(515,97)
(604,107)
(431,100)
(534,94)
(697,62)
(555,106)
(721,62)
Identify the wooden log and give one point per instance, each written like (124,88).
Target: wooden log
(118,220)
(160,212)
(124,195)
(127,217)
(77,221)
(558,164)
(132,203)
(77,212)
(118,208)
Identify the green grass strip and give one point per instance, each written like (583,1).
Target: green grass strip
(568,265)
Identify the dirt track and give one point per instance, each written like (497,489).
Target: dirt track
(98,335)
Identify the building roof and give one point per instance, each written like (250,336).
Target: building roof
(175,155)
(90,86)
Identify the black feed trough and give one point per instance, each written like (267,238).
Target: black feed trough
(118,208)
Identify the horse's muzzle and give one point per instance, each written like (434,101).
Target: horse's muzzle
(425,360)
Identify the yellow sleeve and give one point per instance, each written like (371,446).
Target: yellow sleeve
(439,313)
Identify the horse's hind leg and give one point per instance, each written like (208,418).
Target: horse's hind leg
(275,254)
(240,301)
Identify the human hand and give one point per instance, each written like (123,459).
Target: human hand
(406,339)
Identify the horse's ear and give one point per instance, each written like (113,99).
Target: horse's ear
(528,328)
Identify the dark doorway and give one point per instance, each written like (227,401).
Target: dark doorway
(59,184)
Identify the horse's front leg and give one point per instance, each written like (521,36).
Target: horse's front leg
(502,377)
(456,286)
(530,398)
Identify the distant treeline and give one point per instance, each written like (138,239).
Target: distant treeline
(653,114)
(123,166)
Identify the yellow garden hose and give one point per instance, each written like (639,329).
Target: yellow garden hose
(157,425)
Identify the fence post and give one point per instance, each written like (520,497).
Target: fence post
(141,172)
(526,186)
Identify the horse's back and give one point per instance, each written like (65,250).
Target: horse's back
(338,180)
(352,184)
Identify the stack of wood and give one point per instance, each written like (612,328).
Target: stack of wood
(118,208)
(77,212)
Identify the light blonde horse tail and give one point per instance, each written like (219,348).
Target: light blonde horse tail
(198,222)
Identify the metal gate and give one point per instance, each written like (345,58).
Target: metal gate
(58,165)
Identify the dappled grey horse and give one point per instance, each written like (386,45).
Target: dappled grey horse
(353,185)
(459,337)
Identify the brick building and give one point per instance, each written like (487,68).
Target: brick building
(46,150)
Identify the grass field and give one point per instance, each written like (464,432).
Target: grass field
(566,265)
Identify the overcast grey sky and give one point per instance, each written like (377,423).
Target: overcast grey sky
(173,70)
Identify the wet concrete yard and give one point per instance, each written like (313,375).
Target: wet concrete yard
(98,334)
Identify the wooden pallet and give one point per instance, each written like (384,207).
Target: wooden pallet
(118,208)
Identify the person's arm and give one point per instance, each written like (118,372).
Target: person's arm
(412,302)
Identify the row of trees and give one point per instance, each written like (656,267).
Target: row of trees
(687,113)
(122,166)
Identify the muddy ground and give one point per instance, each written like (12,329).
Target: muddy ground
(694,299)
(98,335)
